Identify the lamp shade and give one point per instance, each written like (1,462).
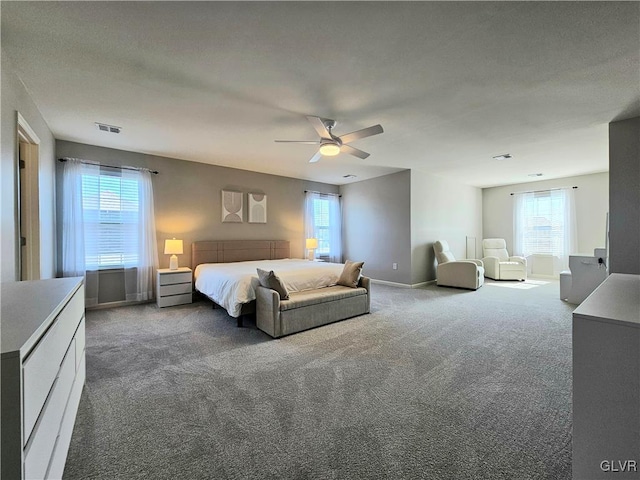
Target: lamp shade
(312,243)
(173,247)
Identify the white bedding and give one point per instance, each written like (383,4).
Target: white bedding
(232,284)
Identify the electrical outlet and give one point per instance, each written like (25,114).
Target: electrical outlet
(395,266)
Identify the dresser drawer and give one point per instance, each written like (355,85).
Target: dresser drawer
(79,343)
(41,366)
(171,278)
(42,441)
(59,455)
(176,289)
(175,300)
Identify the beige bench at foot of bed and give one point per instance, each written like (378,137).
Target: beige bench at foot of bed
(310,308)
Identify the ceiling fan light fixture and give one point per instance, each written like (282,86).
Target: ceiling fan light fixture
(329,149)
(330,145)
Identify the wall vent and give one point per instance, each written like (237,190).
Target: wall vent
(103,127)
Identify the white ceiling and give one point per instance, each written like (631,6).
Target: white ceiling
(452,83)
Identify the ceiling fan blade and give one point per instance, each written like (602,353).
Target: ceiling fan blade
(316,157)
(358,134)
(306,142)
(353,151)
(318,125)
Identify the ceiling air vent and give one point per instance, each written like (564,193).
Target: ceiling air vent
(103,127)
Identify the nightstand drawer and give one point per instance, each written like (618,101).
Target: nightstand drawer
(172,278)
(175,300)
(176,289)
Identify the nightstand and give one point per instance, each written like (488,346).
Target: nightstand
(173,287)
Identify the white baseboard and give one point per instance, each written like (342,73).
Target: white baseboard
(547,277)
(402,285)
(121,303)
(423,284)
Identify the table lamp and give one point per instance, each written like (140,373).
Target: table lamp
(173,247)
(312,244)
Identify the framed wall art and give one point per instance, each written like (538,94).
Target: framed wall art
(257,208)
(231,207)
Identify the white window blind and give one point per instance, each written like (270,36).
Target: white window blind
(321,225)
(110,206)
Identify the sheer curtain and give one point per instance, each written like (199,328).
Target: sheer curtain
(309,217)
(143,226)
(545,222)
(76,221)
(570,238)
(323,220)
(335,229)
(520,222)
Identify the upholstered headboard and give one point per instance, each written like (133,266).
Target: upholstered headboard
(225,251)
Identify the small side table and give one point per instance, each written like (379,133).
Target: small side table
(174,287)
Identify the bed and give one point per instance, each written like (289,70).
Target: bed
(225,271)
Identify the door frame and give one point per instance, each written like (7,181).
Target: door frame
(27,200)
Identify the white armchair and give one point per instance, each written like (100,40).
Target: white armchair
(498,264)
(457,273)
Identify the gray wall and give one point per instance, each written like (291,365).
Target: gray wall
(377,226)
(592,205)
(187,202)
(187,199)
(624,196)
(441,209)
(14,98)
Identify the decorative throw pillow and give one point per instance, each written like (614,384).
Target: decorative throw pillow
(272,281)
(350,274)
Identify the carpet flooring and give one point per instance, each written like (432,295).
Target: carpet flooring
(435,383)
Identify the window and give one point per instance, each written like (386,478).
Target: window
(111,206)
(108,223)
(321,225)
(544,223)
(323,221)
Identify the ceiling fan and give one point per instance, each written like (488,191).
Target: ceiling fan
(330,144)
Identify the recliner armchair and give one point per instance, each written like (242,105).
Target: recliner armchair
(498,265)
(457,273)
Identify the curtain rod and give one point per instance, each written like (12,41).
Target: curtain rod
(155,172)
(322,193)
(547,190)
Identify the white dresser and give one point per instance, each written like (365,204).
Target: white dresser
(43,373)
(174,287)
(606,381)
